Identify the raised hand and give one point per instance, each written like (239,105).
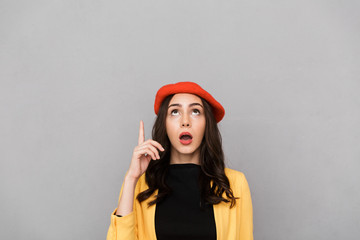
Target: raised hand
(143,153)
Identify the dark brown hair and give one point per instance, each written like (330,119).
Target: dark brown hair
(211,161)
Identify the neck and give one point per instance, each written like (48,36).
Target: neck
(177,157)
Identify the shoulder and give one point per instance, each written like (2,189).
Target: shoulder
(236,178)
(232,173)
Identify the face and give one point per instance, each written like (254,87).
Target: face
(185,113)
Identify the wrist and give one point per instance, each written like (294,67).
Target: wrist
(129,178)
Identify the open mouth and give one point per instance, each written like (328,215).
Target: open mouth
(185,138)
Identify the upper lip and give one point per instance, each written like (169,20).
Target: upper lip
(185,133)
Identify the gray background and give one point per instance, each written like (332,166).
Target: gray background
(78,76)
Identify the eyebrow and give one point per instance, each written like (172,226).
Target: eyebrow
(190,105)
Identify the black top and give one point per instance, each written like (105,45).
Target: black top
(180,216)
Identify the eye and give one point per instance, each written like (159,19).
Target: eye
(196,110)
(173,111)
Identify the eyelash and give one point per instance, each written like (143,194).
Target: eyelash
(193,109)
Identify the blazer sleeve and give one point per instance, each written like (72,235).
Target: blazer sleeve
(246,210)
(125,227)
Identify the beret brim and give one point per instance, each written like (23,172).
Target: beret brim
(189,87)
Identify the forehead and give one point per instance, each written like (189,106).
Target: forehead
(185,98)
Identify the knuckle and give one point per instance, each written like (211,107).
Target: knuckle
(156,143)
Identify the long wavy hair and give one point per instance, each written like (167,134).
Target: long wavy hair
(211,162)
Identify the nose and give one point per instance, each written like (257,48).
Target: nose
(185,121)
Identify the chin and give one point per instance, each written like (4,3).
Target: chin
(187,152)
(186,149)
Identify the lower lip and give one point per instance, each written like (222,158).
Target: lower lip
(186,142)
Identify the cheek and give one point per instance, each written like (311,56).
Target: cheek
(200,128)
(200,123)
(170,129)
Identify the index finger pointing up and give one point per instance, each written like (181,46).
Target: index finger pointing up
(141,133)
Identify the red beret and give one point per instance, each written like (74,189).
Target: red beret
(188,87)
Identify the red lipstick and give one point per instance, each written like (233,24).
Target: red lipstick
(185,138)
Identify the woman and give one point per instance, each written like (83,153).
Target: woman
(186,191)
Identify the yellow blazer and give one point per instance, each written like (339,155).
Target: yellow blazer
(231,224)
